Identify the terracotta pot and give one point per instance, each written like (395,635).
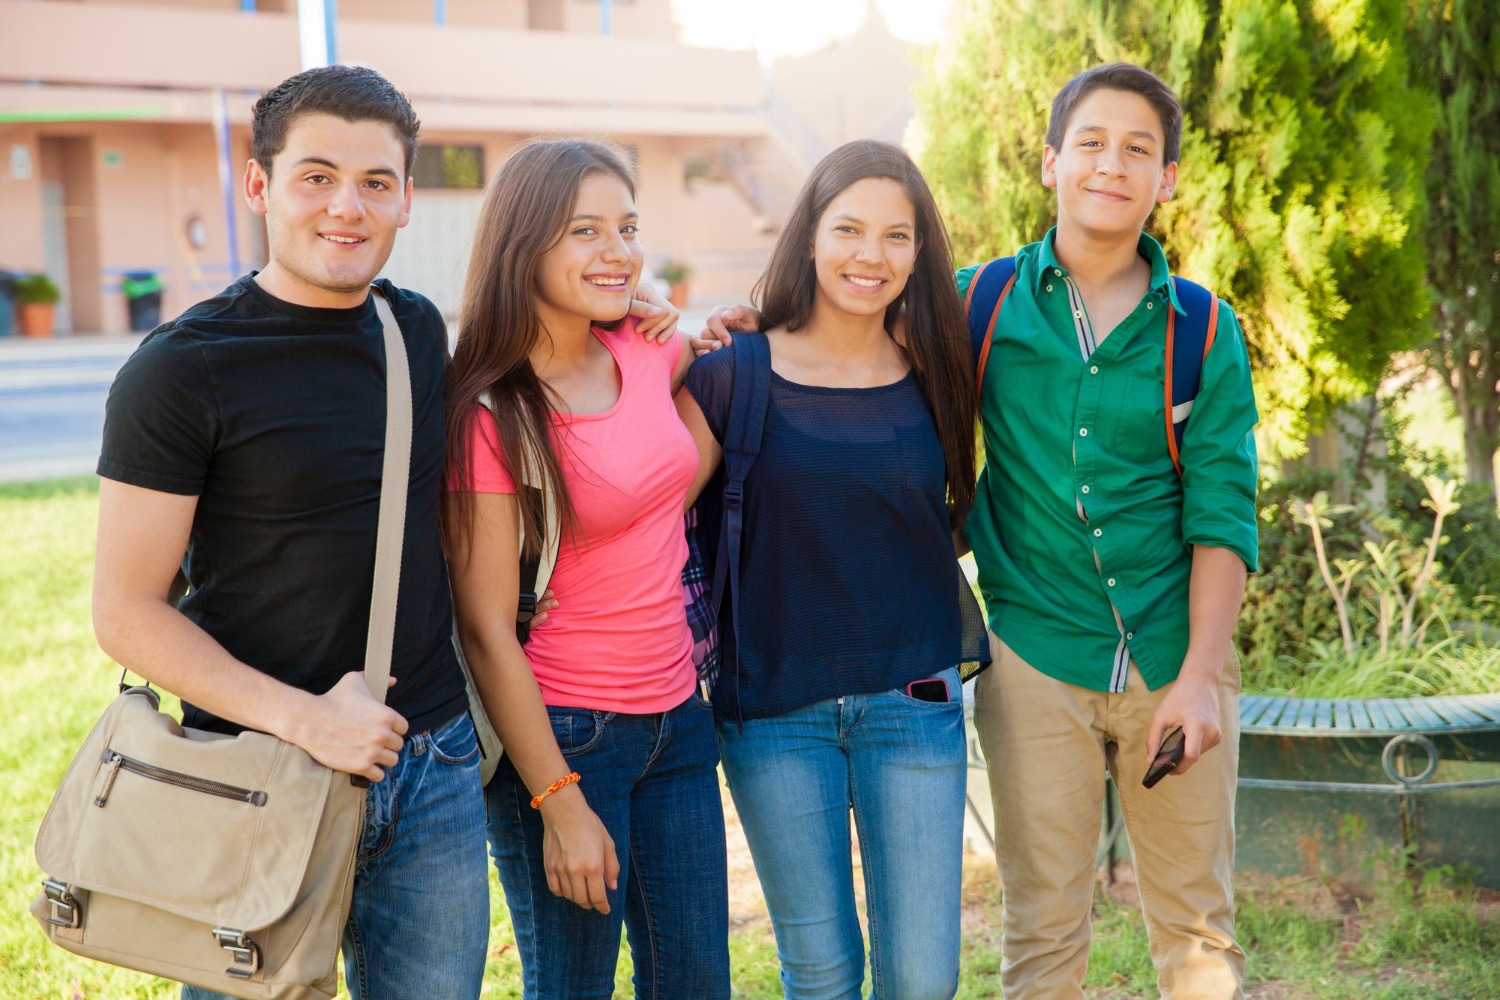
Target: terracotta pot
(678,294)
(36,318)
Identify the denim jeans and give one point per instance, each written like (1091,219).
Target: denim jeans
(653,783)
(901,766)
(419,924)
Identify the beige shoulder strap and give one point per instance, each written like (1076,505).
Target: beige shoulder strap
(395,475)
(553,518)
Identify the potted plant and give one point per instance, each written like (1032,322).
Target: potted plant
(676,274)
(37,296)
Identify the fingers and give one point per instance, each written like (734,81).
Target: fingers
(611,864)
(547,602)
(1159,725)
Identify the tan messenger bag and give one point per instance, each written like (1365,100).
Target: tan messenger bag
(223,862)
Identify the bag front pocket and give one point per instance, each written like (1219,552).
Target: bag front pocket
(115,762)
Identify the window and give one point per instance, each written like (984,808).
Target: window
(450,166)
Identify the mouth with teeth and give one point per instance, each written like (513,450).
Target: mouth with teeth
(608,282)
(864,283)
(342,240)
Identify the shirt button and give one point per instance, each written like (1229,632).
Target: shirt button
(1085,489)
(1111,581)
(1093,369)
(1130,635)
(1098,532)
(1077,314)
(1057,271)
(1083,432)
(1148,305)
(1049,288)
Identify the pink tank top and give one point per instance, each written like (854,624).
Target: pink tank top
(619,640)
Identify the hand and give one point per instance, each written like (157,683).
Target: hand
(657,318)
(578,854)
(547,602)
(1192,703)
(348,730)
(721,321)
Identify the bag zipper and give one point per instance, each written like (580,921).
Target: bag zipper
(117,762)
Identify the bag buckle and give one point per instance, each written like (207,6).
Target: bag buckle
(245,952)
(62,904)
(525,606)
(734,495)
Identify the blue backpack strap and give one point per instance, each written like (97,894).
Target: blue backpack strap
(987,291)
(1187,345)
(748,402)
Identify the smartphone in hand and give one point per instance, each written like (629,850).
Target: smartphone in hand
(1168,756)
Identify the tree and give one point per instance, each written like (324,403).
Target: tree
(1300,188)
(1455,51)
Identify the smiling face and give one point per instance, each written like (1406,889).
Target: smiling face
(864,247)
(591,272)
(333,200)
(1108,169)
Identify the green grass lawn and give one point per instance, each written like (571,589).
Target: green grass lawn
(1306,939)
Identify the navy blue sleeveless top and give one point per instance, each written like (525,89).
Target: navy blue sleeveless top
(849,581)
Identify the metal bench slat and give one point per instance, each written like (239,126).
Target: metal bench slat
(1341,716)
(1361,714)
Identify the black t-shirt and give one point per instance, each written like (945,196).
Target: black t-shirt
(273,415)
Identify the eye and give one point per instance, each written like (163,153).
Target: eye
(317,178)
(378,185)
(843,229)
(900,236)
(585,231)
(630,229)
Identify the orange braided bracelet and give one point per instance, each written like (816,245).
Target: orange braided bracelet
(557,785)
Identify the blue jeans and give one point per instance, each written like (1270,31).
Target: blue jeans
(419,924)
(901,765)
(653,783)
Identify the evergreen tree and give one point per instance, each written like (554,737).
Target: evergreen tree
(1455,52)
(1300,188)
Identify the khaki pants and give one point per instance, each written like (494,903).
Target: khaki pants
(1048,744)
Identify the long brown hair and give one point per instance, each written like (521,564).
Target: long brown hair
(937,337)
(525,210)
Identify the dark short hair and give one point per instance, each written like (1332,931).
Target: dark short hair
(1120,76)
(353,93)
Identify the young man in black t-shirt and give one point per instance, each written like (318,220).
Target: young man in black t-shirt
(249,434)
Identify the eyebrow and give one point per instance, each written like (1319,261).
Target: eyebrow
(1138,133)
(896,225)
(600,218)
(318,161)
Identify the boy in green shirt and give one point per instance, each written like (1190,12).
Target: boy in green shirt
(1112,583)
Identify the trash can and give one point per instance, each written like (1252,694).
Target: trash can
(143,298)
(7,302)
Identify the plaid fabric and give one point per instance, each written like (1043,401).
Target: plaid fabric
(701,615)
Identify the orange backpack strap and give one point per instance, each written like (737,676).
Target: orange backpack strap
(1184,367)
(987,291)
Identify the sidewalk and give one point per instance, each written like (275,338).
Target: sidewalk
(52,392)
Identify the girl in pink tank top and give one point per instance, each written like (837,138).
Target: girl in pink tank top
(605,806)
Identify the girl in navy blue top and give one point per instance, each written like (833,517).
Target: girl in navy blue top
(841,690)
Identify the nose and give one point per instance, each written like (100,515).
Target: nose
(871,249)
(1112,161)
(346,202)
(615,249)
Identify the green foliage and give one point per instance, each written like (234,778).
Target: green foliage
(1300,181)
(675,272)
(1455,52)
(37,289)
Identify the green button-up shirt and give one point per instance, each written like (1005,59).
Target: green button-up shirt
(1081,529)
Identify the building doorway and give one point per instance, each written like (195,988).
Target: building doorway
(70,232)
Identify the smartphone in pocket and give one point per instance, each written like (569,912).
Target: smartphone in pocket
(1168,756)
(934,689)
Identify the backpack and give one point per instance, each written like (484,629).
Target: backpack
(1184,367)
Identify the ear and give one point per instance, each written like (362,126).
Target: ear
(1049,167)
(405,205)
(257,181)
(1168,183)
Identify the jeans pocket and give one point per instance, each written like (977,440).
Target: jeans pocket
(456,743)
(955,692)
(577,730)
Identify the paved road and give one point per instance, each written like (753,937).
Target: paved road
(52,403)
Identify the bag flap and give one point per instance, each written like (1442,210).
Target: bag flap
(152,812)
